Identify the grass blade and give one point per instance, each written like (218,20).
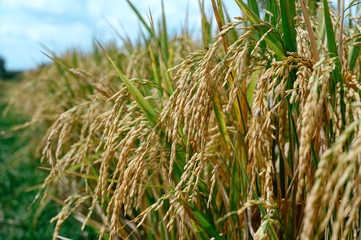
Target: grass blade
(164,34)
(272,7)
(254,6)
(140,18)
(331,43)
(355,52)
(340,50)
(221,123)
(155,71)
(272,39)
(205,223)
(143,104)
(163,69)
(288,12)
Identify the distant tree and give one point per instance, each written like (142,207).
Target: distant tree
(4,73)
(2,67)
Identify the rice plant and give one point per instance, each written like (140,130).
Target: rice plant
(253,134)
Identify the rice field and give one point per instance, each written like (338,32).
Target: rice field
(251,131)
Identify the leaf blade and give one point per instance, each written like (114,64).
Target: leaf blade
(142,102)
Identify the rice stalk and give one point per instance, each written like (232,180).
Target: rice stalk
(255,135)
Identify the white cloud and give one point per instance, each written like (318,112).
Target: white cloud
(61,24)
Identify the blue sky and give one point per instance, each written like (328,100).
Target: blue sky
(63,24)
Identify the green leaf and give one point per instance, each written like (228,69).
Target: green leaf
(155,71)
(355,53)
(288,12)
(272,7)
(140,18)
(143,104)
(163,68)
(254,6)
(205,223)
(221,123)
(332,49)
(250,89)
(331,42)
(220,11)
(164,39)
(272,39)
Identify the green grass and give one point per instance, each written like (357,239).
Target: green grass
(19,182)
